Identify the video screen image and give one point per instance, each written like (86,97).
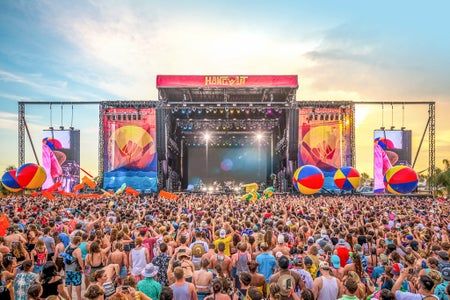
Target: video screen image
(241,165)
(61,158)
(390,148)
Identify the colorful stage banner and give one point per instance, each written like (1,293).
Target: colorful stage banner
(130,149)
(324,140)
(194,81)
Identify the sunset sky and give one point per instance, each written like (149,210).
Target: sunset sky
(341,50)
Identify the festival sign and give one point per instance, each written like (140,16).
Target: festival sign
(130,149)
(231,81)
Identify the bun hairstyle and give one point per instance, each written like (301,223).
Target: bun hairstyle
(216,285)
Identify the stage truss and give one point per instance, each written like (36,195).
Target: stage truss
(164,110)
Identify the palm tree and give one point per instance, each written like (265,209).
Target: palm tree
(364,178)
(441,179)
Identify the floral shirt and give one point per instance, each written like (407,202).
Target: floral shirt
(162,262)
(21,284)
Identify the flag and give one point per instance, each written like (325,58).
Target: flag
(168,195)
(89,182)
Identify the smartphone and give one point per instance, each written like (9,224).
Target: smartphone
(288,284)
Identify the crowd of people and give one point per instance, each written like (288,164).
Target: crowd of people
(219,247)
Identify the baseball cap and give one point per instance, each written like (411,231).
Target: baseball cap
(310,240)
(324,265)
(446,273)
(409,237)
(222,233)
(341,242)
(335,261)
(443,255)
(280,239)
(396,269)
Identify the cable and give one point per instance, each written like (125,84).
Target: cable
(51,119)
(62,113)
(382,114)
(71,118)
(403,115)
(392,115)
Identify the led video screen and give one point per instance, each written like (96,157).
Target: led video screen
(61,158)
(391,147)
(241,165)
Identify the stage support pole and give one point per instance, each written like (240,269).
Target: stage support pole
(31,141)
(21,133)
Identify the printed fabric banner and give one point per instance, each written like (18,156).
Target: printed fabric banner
(130,149)
(324,140)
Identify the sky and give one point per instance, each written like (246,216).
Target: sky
(341,50)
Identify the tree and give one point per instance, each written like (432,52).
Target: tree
(364,178)
(441,179)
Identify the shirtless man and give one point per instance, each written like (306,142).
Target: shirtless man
(120,258)
(281,246)
(202,279)
(221,259)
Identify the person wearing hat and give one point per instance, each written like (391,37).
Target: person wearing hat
(343,251)
(149,286)
(440,289)
(336,268)
(326,286)
(225,238)
(281,246)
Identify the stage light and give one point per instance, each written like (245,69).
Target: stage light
(210,189)
(259,136)
(204,189)
(207,136)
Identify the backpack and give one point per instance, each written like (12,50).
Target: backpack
(67,256)
(286,282)
(198,250)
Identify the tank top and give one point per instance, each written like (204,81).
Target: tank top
(241,263)
(181,292)
(139,261)
(84,250)
(329,290)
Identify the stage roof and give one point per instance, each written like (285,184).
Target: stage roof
(227,88)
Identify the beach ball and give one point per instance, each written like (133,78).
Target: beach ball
(9,181)
(268,192)
(400,180)
(31,176)
(347,178)
(308,179)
